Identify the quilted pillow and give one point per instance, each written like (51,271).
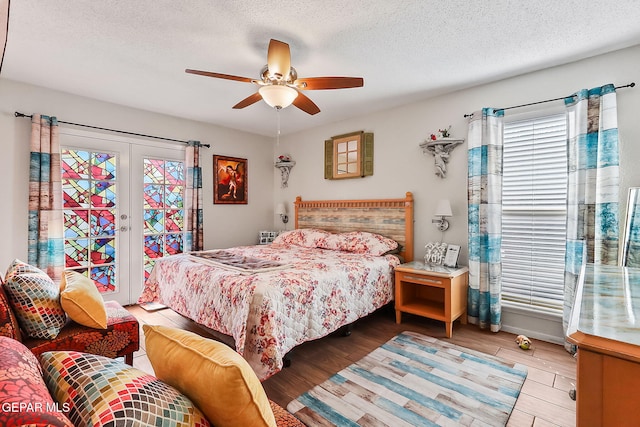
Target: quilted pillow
(82,301)
(35,300)
(105,392)
(360,242)
(306,237)
(8,323)
(212,374)
(24,398)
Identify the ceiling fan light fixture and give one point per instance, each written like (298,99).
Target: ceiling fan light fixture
(278,96)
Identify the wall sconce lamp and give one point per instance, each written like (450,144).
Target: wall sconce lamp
(282,211)
(443,210)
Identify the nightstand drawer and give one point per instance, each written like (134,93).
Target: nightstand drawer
(432,281)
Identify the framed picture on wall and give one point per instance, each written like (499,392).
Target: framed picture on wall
(229,180)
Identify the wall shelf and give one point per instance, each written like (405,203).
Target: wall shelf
(441,150)
(285,170)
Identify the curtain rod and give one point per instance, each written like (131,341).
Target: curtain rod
(17,114)
(632,84)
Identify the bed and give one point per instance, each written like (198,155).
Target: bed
(335,267)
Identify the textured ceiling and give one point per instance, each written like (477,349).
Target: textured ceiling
(134,53)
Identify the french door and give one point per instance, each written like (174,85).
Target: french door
(123,208)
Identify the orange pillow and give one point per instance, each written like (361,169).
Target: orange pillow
(216,378)
(82,301)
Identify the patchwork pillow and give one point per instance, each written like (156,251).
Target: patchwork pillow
(105,392)
(35,300)
(20,267)
(306,237)
(212,374)
(8,323)
(360,242)
(24,398)
(82,301)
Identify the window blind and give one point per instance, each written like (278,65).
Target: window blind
(534,213)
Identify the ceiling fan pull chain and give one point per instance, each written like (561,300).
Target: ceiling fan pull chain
(278,132)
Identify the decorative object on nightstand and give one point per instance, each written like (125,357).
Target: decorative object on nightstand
(443,210)
(267,236)
(451,257)
(281,210)
(435,252)
(436,292)
(285,164)
(441,146)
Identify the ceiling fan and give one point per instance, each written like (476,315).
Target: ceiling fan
(279,85)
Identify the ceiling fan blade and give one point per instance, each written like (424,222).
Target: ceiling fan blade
(305,104)
(279,59)
(248,101)
(219,76)
(319,83)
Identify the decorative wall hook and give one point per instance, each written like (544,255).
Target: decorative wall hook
(441,150)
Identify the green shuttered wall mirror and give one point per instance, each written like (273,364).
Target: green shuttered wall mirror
(348,156)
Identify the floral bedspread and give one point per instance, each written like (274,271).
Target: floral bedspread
(269,313)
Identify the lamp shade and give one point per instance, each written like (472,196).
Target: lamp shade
(281,209)
(444,208)
(278,96)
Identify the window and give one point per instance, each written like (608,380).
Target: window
(163,210)
(534,213)
(90,205)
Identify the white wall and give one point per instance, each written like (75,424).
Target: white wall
(400,165)
(225,225)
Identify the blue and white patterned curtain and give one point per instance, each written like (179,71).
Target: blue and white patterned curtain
(45,238)
(194,236)
(593,185)
(485,218)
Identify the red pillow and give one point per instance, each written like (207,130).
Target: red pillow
(8,323)
(24,397)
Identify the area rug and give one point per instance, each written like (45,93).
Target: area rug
(415,380)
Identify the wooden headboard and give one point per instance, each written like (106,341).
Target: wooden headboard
(391,218)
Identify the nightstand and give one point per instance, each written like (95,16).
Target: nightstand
(432,291)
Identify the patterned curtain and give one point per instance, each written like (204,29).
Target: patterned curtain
(194,236)
(485,218)
(46,244)
(593,185)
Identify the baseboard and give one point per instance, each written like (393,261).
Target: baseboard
(536,325)
(533,334)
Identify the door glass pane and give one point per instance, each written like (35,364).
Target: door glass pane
(90,202)
(163,210)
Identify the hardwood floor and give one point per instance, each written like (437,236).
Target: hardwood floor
(544,400)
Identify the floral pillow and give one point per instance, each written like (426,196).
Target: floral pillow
(306,237)
(360,242)
(24,397)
